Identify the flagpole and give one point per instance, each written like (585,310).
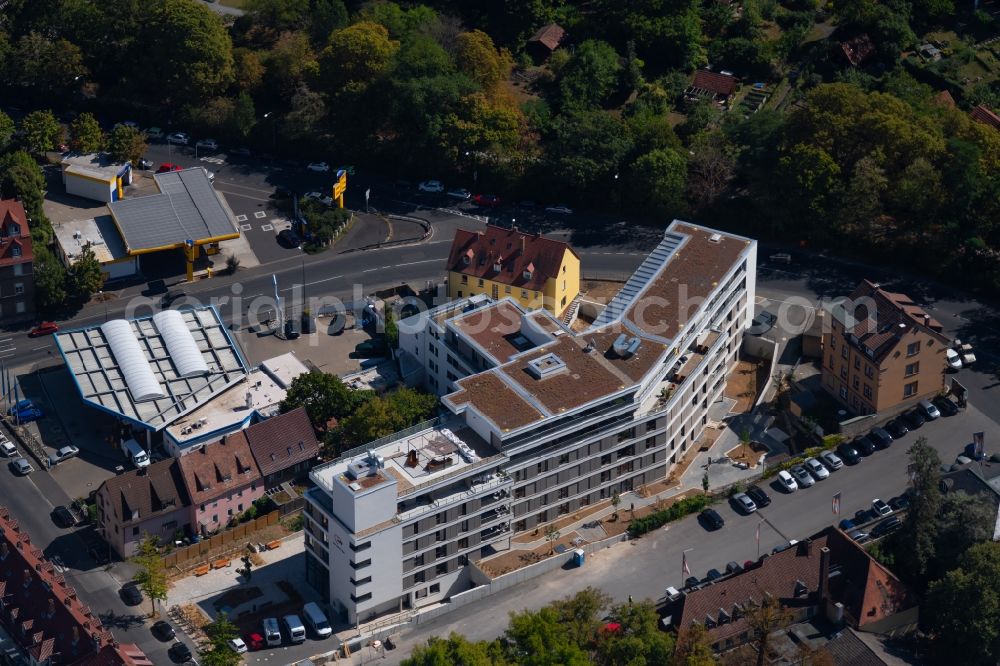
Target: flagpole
(685,569)
(758,538)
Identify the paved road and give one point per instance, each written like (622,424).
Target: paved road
(643,568)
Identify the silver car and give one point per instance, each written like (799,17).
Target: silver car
(816,468)
(831,460)
(21,466)
(63,454)
(745,503)
(801,476)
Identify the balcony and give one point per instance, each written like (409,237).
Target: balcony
(705,345)
(478,486)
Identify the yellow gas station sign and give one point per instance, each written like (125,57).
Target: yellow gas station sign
(339,187)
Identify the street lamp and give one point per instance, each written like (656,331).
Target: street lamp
(274,131)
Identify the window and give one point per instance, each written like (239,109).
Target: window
(843,351)
(843,371)
(439,518)
(440,551)
(506,289)
(463,543)
(439,535)
(857,362)
(361,565)
(650,443)
(650,426)
(480,282)
(869,372)
(366,579)
(913,349)
(843,393)
(833,342)
(606,458)
(465,279)
(910,389)
(564,285)
(519,493)
(912,369)
(563,459)
(857,383)
(18,288)
(18,269)
(363,597)
(524,293)
(135,531)
(868,391)
(15,251)
(418,561)
(435,588)
(441,569)
(357,547)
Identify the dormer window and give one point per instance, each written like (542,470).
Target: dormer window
(15,251)
(13,229)
(497,267)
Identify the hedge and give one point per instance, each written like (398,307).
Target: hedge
(688,505)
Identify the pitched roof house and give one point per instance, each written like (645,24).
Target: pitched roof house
(284,446)
(222,479)
(17,285)
(548,38)
(146,501)
(858,49)
(828,574)
(718,87)
(44,615)
(985,116)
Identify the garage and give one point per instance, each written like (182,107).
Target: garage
(95,176)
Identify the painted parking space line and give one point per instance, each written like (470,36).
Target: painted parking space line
(260,214)
(241,218)
(267,227)
(246,227)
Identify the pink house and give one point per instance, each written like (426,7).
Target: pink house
(222,480)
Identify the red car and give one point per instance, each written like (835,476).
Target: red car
(45,328)
(490,200)
(255,641)
(167,166)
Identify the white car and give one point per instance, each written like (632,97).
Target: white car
(319,167)
(323,199)
(7,448)
(562,209)
(433,186)
(179,137)
(238,646)
(154,133)
(953,359)
(63,454)
(460,193)
(816,468)
(881,508)
(208,144)
(787,482)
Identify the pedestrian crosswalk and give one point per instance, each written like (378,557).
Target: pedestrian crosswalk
(7,347)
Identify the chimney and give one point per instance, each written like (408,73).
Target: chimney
(927,320)
(824,577)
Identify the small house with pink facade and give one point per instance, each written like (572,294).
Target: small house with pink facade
(223,480)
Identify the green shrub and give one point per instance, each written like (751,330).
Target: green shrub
(684,507)
(832,441)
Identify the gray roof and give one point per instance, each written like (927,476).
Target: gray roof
(187,208)
(101,380)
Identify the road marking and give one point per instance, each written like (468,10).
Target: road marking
(260,215)
(6,340)
(267,227)
(412,263)
(241,218)
(369,270)
(246,227)
(42,347)
(213,160)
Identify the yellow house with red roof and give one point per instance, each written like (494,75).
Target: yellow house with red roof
(535,271)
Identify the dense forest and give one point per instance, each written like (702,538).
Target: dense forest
(865,160)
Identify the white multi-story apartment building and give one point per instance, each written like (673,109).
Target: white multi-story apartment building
(540,421)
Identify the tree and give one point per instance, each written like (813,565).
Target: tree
(616,499)
(50,66)
(324,397)
(243,117)
(639,639)
(356,54)
(126,144)
(480,60)
(705,482)
(552,535)
(22,178)
(591,76)
(456,649)
(151,576)
(42,132)
(763,620)
(963,608)
(218,652)
(194,52)
(964,520)
(656,181)
(85,274)
(587,148)
(306,116)
(50,279)
(693,647)
(7,129)
(538,638)
(711,167)
(580,615)
(381,416)
(85,134)
(919,534)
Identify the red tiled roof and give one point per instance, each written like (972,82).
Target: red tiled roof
(720,84)
(147,491)
(944,98)
(858,49)
(477,254)
(282,441)
(12,214)
(42,612)
(985,116)
(550,36)
(219,467)
(894,316)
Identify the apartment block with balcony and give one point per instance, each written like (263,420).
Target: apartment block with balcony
(565,418)
(883,352)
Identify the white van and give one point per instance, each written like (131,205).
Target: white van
(295,629)
(316,619)
(136,454)
(272,633)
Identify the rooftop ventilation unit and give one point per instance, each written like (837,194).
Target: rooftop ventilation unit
(715,238)
(546,366)
(625,346)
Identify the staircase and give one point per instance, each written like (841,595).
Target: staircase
(570,315)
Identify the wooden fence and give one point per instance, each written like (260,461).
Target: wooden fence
(180,557)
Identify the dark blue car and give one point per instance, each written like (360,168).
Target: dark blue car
(25,411)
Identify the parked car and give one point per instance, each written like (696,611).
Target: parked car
(711,519)
(145,164)
(897,427)
(914,419)
(21,466)
(802,477)
(831,460)
(953,360)
(787,482)
(488,200)
(179,138)
(26,411)
(349,169)
(45,328)
(561,209)
(167,166)
(743,501)
(293,328)
(691,582)
(887,526)
(318,167)
(864,445)
(131,594)
(371,348)
(973,453)
(880,507)
(179,652)
(900,502)
(860,536)
(207,144)
(880,437)
(759,497)
(928,410)
(946,406)
(713,574)
(846,524)
(318,196)
(816,468)
(432,186)
(762,323)
(848,453)
(63,516)
(733,567)
(862,516)
(461,194)
(154,133)
(288,238)
(7,448)
(63,453)
(237,645)
(255,641)
(163,631)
